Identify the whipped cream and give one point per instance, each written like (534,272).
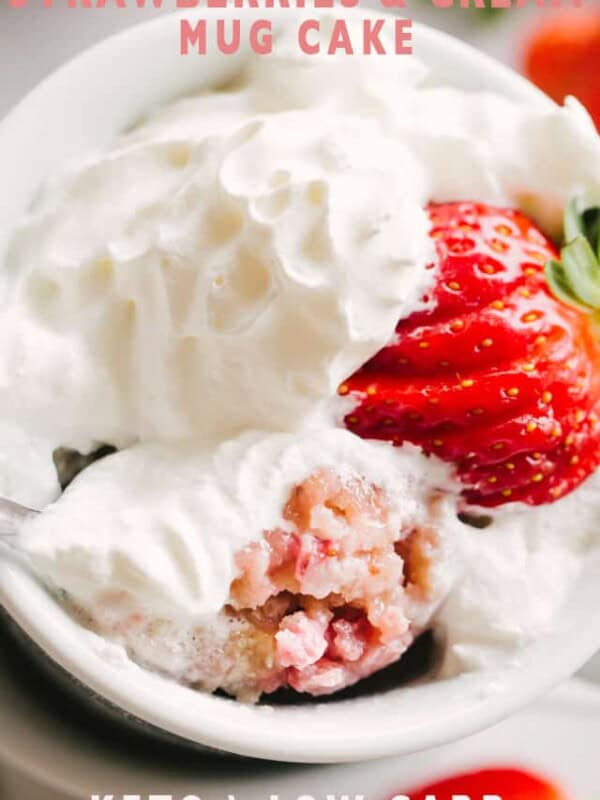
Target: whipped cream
(515,577)
(228,262)
(162,523)
(221,269)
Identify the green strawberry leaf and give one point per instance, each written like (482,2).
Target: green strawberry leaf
(576,278)
(573,221)
(591,218)
(582,270)
(561,288)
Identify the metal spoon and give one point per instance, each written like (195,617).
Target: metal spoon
(12,517)
(69,464)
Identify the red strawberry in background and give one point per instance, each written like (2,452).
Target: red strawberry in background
(562,57)
(509,784)
(498,376)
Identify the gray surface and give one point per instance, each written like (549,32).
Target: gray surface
(35,41)
(15,786)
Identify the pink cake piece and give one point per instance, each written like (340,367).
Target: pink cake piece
(317,604)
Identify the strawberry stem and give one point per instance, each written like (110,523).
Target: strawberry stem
(576,278)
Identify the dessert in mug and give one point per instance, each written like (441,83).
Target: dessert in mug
(323,317)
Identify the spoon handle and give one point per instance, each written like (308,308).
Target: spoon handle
(12,517)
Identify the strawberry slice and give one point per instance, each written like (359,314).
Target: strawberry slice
(485,326)
(498,375)
(562,54)
(509,784)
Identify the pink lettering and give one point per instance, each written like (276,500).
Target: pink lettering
(403,37)
(305,46)
(192,37)
(371,41)
(261,44)
(340,39)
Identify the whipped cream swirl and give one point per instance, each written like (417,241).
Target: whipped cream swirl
(221,268)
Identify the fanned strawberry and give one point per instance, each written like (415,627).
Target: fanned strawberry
(498,375)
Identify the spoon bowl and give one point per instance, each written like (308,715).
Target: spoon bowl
(12,517)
